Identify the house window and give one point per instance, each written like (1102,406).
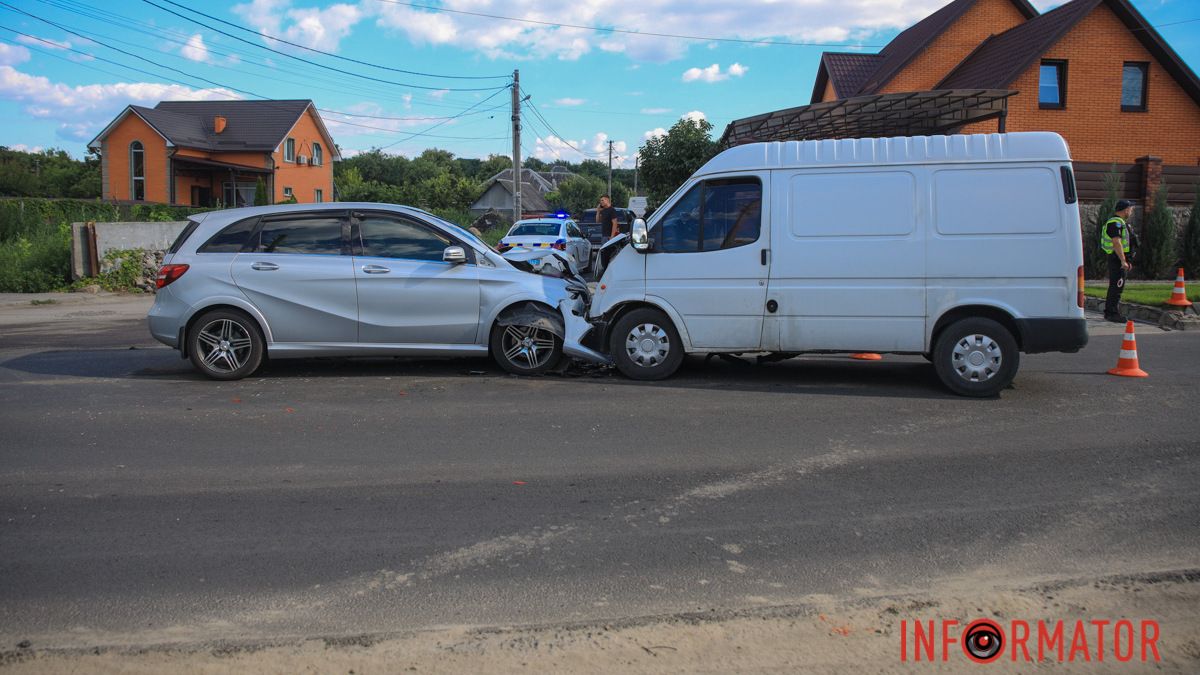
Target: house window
(289,150)
(316,157)
(319,196)
(287,193)
(1052,84)
(137,171)
(1133,87)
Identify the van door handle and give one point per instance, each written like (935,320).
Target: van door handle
(264,266)
(375,269)
(764,256)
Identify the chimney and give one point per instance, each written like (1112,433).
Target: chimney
(218,124)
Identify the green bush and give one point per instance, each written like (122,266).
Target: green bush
(1158,238)
(1189,248)
(36,263)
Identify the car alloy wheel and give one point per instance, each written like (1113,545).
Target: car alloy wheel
(527,347)
(226,345)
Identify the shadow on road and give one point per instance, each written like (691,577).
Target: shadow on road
(828,375)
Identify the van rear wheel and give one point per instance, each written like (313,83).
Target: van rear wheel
(645,345)
(976,357)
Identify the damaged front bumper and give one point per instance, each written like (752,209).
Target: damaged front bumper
(570,324)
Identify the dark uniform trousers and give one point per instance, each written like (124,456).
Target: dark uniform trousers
(1116,284)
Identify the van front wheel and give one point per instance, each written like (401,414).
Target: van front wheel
(976,357)
(645,345)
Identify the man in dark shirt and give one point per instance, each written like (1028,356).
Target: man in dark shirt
(1114,241)
(606,215)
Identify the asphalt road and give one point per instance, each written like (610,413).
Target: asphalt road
(140,503)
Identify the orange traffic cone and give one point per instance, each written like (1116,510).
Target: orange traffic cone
(866,356)
(1179,295)
(1127,364)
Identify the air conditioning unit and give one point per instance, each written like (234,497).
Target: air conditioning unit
(301,160)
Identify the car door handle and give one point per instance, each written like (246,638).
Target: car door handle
(264,266)
(375,269)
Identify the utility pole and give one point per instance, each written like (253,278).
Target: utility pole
(516,136)
(610,168)
(637,160)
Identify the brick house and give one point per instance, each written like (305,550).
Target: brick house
(1092,70)
(205,153)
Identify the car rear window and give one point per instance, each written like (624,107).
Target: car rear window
(535,230)
(183,235)
(231,239)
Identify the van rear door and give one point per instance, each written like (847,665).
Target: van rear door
(848,261)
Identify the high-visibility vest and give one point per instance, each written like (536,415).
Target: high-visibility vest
(1106,241)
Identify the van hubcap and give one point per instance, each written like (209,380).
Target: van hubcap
(976,358)
(647,345)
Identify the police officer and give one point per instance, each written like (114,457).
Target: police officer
(1114,240)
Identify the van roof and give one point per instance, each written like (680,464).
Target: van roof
(1035,146)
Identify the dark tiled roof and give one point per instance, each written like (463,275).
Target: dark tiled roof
(909,43)
(250,125)
(1002,58)
(848,70)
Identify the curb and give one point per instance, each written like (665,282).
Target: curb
(1170,319)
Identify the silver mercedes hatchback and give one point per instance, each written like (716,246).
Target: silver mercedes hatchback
(351,279)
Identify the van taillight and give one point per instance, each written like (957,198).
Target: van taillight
(1080,287)
(169,273)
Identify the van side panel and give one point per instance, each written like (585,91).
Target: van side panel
(848,260)
(1001,235)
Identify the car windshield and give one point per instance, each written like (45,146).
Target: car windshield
(535,230)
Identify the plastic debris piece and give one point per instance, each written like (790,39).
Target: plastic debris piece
(518,482)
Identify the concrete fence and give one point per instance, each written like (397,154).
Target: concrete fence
(90,241)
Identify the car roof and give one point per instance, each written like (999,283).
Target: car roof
(535,221)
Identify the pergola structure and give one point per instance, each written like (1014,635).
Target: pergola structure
(913,113)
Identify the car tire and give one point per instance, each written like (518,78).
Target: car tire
(645,345)
(510,347)
(226,344)
(976,357)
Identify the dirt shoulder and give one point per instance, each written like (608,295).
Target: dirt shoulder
(822,635)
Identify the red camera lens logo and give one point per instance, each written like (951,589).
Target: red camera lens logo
(983,641)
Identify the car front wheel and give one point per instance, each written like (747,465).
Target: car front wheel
(226,345)
(976,357)
(525,350)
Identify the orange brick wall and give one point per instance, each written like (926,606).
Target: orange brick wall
(304,180)
(1092,121)
(986,17)
(115,156)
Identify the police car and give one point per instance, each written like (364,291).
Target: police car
(557,233)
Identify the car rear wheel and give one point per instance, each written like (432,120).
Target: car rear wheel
(645,345)
(226,345)
(525,350)
(976,357)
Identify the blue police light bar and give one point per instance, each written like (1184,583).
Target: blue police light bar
(562,214)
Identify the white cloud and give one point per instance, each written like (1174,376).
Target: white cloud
(570,101)
(694,115)
(21,147)
(713,73)
(43,42)
(195,49)
(654,133)
(349,125)
(84,109)
(807,21)
(322,29)
(11,55)
(438,94)
(555,149)
(655,111)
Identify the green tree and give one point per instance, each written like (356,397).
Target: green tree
(1093,256)
(1190,246)
(667,161)
(579,193)
(260,193)
(620,194)
(1158,237)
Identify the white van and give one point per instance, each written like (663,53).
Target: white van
(965,249)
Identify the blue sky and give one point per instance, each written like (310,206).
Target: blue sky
(58,89)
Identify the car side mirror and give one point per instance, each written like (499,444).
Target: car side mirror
(454,255)
(639,236)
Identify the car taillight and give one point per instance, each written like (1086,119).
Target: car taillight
(1079,299)
(560,245)
(502,247)
(169,273)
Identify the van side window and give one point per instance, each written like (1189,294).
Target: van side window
(714,215)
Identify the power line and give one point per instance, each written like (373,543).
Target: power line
(538,114)
(306,61)
(426,131)
(329,54)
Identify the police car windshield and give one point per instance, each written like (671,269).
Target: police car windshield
(535,230)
